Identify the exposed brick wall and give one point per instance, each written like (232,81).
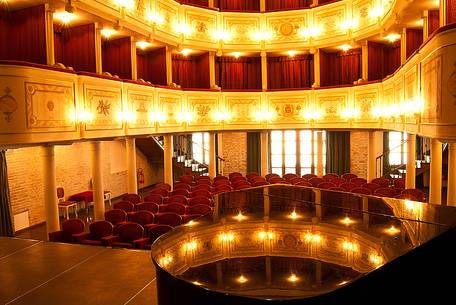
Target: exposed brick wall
(234,151)
(73,172)
(359,152)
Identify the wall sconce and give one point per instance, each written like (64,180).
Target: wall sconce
(350,24)
(185,117)
(220,116)
(190,246)
(126,116)
(222,35)
(376,259)
(309,237)
(264,116)
(183,29)
(265,234)
(311,32)
(226,237)
(393,37)
(261,35)
(107,32)
(350,113)
(84,116)
(157,116)
(64,17)
(125,4)
(154,17)
(376,12)
(349,246)
(311,114)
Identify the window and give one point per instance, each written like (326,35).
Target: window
(397,148)
(295,151)
(200,147)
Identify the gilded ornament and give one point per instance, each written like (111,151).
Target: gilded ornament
(8,104)
(103,107)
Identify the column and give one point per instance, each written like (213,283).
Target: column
(97,181)
(365,61)
(264,136)
(435,183)
(314,3)
(49,25)
(425,25)
(451,182)
(262,6)
(98,50)
(212,156)
(264,70)
(130,146)
(211,4)
(404,46)
(212,69)
(319,171)
(169,66)
(316,68)
(443,13)
(134,66)
(410,168)
(371,158)
(50,190)
(168,159)
(318,207)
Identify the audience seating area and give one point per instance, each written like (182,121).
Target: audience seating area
(135,222)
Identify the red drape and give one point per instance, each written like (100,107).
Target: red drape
(451,11)
(242,73)
(117,57)
(414,40)
(197,2)
(384,59)
(286,72)
(277,5)
(75,47)
(326,1)
(392,58)
(191,71)
(433,19)
(152,66)
(23,35)
(340,68)
(239,5)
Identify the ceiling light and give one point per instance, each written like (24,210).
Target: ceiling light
(242,279)
(222,35)
(393,37)
(127,4)
(345,47)
(292,53)
(64,17)
(419,22)
(239,216)
(236,54)
(107,33)
(376,12)
(350,24)
(186,52)
(293,278)
(154,17)
(347,221)
(143,44)
(311,32)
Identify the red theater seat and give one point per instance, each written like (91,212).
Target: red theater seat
(147,206)
(182,186)
(126,206)
(315,181)
(133,198)
(372,186)
(309,176)
(129,235)
(167,218)
(330,177)
(202,193)
(142,217)
(173,208)
(348,176)
(178,199)
(162,185)
(116,216)
(383,182)
(186,178)
(157,198)
(160,191)
(199,209)
(358,181)
(97,230)
(290,176)
(304,183)
(69,228)
(200,200)
(154,233)
(361,190)
(385,192)
(182,192)
(235,174)
(326,185)
(205,187)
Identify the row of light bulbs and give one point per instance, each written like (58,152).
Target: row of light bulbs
(348,113)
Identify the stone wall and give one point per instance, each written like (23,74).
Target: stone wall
(359,152)
(234,151)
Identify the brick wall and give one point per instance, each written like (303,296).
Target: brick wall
(234,151)
(73,172)
(359,151)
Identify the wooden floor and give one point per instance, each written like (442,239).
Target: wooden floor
(37,272)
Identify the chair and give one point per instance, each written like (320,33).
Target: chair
(269,176)
(129,235)
(358,181)
(66,205)
(220,178)
(235,174)
(383,182)
(142,217)
(69,228)
(361,190)
(133,198)
(167,218)
(385,192)
(178,199)
(205,187)
(201,192)
(326,185)
(162,185)
(315,181)
(330,176)
(249,176)
(239,183)
(372,186)
(236,179)
(336,188)
(147,206)
(290,176)
(182,192)
(222,182)
(199,209)
(173,208)
(275,180)
(200,200)
(116,216)
(157,198)
(126,206)
(348,186)
(203,178)
(309,176)
(348,176)
(304,183)
(97,230)
(223,187)
(159,191)
(186,178)
(260,183)
(297,180)
(399,183)
(182,186)
(203,182)
(154,233)
(338,181)
(242,186)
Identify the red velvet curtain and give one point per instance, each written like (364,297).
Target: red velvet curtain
(75,47)
(451,11)
(23,35)
(151,66)
(197,2)
(286,72)
(117,57)
(414,40)
(350,66)
(277,5)
(376,62)
(242,73)
(392,58)
(433,20)
(191,71)
(326,1)
(239,5)
(329,69)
